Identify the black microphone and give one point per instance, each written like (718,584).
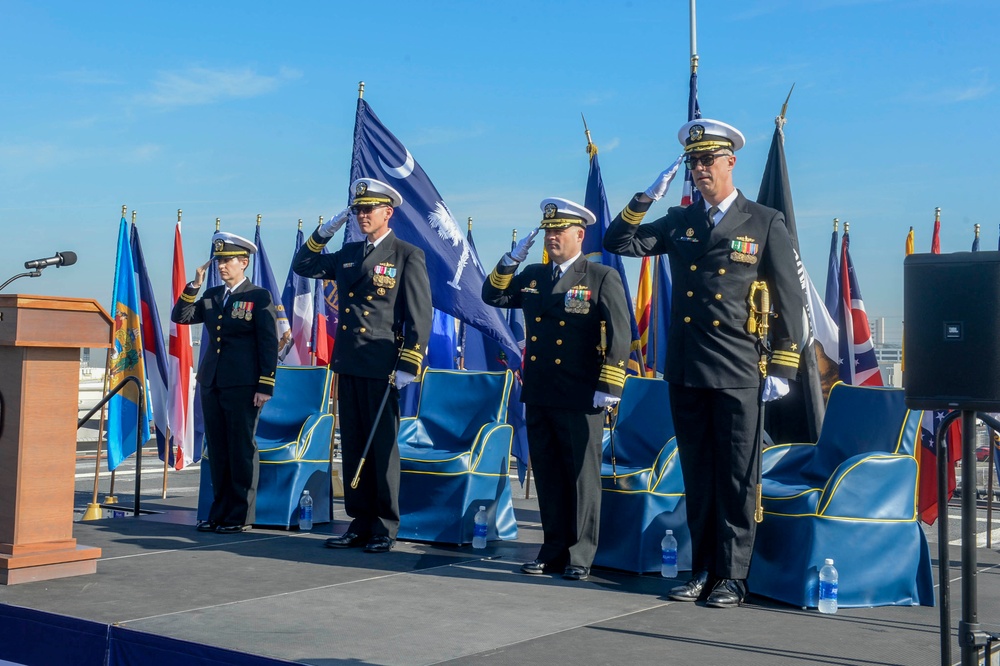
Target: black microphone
(61,259)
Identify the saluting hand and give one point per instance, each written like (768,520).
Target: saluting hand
(520,251)
(662,182)
(333,225)
(199,274)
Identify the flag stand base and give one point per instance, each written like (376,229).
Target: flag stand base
(338,485)
(93,512)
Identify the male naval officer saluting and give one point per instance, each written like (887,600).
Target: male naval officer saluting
(717,251)
(578,336)
(236,376)
(385,322)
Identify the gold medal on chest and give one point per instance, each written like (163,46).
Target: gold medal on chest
(689,233)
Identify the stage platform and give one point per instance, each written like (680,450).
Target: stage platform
(282,595)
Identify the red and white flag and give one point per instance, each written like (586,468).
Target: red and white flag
(180,399)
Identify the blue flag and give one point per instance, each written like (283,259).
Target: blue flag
(126,359)
(212,280)
(832,297)
(263,277)
(424,220)
(593,248)
(153,352)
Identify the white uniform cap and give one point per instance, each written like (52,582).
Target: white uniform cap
(558,213)
(705,134)
(369,191)
(225,244)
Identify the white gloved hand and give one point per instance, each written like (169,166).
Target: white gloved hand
(662,182)
(774,388)
(403,378)
(520,251)
(604,400)
(333,225)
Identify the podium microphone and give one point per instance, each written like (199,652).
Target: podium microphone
(61,259)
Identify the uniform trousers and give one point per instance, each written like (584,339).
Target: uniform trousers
(230,424)
(374,504)
(565,449)
(716,431)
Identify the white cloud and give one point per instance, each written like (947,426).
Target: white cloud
(201,85)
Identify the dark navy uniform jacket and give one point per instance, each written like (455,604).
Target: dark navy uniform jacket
(242,338)
(381,296)
(562,364)
(712,270)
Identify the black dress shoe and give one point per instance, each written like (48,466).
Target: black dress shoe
(691,590)
(346,540)
(573,572)
(231,529)
(379,544)
(206,526)
(728,593)
(538,568)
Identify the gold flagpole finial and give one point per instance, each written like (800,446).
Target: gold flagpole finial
(258,219)
(179,211)
(321,220)
(513,235)
(361,89)
(937,214)
(470,224)
(218,223)
(847,227)
(836,223)
(300,224)
(784,107)
(977,231)
(124,210)
(591,148)
(133,218)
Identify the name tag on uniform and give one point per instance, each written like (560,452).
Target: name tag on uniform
(349,264)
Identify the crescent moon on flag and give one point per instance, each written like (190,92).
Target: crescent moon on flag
(399,172)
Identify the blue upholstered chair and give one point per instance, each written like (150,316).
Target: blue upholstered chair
(850,497)
(642,494)
(455,456)
(293,439)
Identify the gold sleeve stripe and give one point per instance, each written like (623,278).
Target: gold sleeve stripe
(500,281)
(267,381)
(411,356)
(188,298)
(631,216)
(314,246)
(612,375)
(785,358)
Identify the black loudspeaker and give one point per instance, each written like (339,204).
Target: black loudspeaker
(951,331)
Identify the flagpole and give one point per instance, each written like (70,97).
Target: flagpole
(168,436)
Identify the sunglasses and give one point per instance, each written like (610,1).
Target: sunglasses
(366,209)
(691,161)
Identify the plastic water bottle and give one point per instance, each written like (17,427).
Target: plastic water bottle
(479,529)
(306,512)
(828,579)
(668,555)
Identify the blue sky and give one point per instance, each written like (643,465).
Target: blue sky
(233,109)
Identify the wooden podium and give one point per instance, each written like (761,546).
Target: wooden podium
(40,341)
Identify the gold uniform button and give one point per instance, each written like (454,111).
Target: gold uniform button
(366,313)
(694,267)
(343,328)
(218,351)
(368,297)
(558,342)
(534,338)
(722,271)
(715,323)
(558,361)
(718,297)
(218,328)
(562,323)
(220,316)
(690,294)
(350,294)
(362,329)
(218,339)
(538,318)
(532,358)
(687,320)
(346,310)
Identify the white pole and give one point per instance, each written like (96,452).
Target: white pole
(694,30)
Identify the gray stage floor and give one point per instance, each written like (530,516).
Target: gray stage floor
(283,595)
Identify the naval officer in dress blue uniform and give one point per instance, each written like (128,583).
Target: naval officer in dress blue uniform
(385,323)
(717,250)
(578,337)
(236,376)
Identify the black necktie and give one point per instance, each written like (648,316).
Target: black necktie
(556,273)
(368,248)
(711,216)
